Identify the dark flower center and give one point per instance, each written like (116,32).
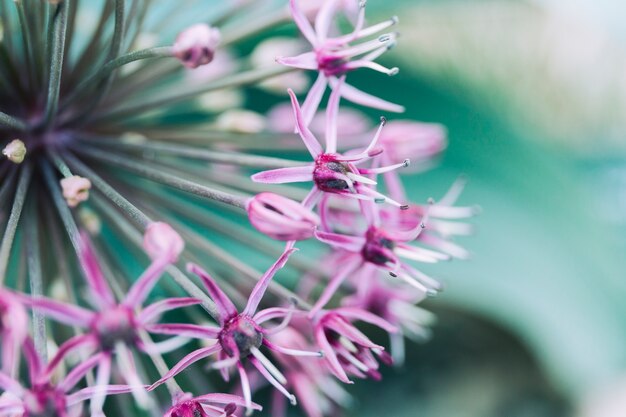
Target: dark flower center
(377,247)
(325,173)
(114,326)
(189,409)
(240,333)
(45,401)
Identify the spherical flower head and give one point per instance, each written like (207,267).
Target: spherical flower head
(418,141)
(15,151)
(195,46)
(281,218)
(162,241)
(75,189)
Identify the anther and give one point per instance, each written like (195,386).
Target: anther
(407,162)
(393,71)
(383,120)
(15,151)
(404,207)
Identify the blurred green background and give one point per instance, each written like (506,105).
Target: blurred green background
(533,96)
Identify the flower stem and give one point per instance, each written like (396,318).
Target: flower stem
(12,122)
(256,26)
(33,256)
(59,29)
(163,177)
(14,218)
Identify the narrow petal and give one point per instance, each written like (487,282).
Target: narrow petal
(102,294)
(75,343)
(291,352)
(225,307)
(65,313)
(270,378)
(324,19)
(224,399)
(366,316)
(80,371)
(311,143)
(283,175)
(302,22)
(102,381)
(346,269)
(332,114)
(330,356)
(90,392)
(11,385)
(185,362)
(313,98)
(261,286)
(307,60)
(349,243)
(245,387)
(357,96)
(154,311)
(146,282)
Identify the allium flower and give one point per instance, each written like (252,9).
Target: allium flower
(335,56)
(135,127)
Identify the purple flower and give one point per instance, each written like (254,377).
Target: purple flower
(239,335)
(330,171)
(195,46)
(113,328)
(44,397)
(281,218)
(334,57)
(346,349)
(13,330)
(208,405)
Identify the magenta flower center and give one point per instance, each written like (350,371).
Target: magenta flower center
(44,401)
(188,409)
(240,334)
(331,65)
(328,173)
(378,247)
(115,326)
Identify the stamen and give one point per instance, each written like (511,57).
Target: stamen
(15,151)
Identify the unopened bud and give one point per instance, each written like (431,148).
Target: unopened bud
(75,189)
(195,46)
(15,151)
(162,241)
(281,218)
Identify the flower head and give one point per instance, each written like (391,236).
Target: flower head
(195,46)
(281,218)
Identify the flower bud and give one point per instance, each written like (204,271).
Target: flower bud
(281,218)
(416,141)
(15,151)
(195,46)
(162,241)
(75,189)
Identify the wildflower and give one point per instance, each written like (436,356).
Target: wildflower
(113,328)
(331,172)
(346,349)
(239,335)
(281,218)
(334,57)
(44,397)
(208,405)
(15,151)
(75,189)
(195,46)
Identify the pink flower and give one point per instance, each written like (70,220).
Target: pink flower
(346,349)
(44,397)
(239,335)
(334,57)
(330,171)
(13,330)
(113,328)
(281,218)
(415,140)
(195,46)
(208,405)
(162,242)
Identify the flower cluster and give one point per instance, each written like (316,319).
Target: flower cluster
(125,145)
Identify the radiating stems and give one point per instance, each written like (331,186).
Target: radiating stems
(179,277)
(28,44)
(33,257)
(194,152)
(163,177)
(14,218)
(57,51)
(12,122)
(237,80)
(138,217)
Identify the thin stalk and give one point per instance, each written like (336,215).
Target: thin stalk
(138,217)
(193,152)
(253,27)
(106,70)
(59,29)
(163,177)
(14,218)
(33,256)
(27,43)
(179,277)
(12,122)
(237,80)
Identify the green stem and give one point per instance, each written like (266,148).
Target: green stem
(56,65)
(33,256)
(14,218)
(12,122)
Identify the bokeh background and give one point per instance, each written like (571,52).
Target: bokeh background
(533,94)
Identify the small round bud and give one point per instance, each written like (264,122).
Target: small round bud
(75,189)
(15,151)
(195,46)
(281,218)
(162,241)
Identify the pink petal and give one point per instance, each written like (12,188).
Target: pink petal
(283,175)
(65,313)
(225,307)
(103,295)
(330,356)
(261,286)
(307,60)
(186,330)
(146,282)
(332,113)
(185,362)
(314,97)
(76,342)
(346,269)
(357,96)
(324,18)
(349,243)
(302,22)
(366,316)
(80,371)
(9,384)
(87,393)
(225,399)
(311,143)
(154,311)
